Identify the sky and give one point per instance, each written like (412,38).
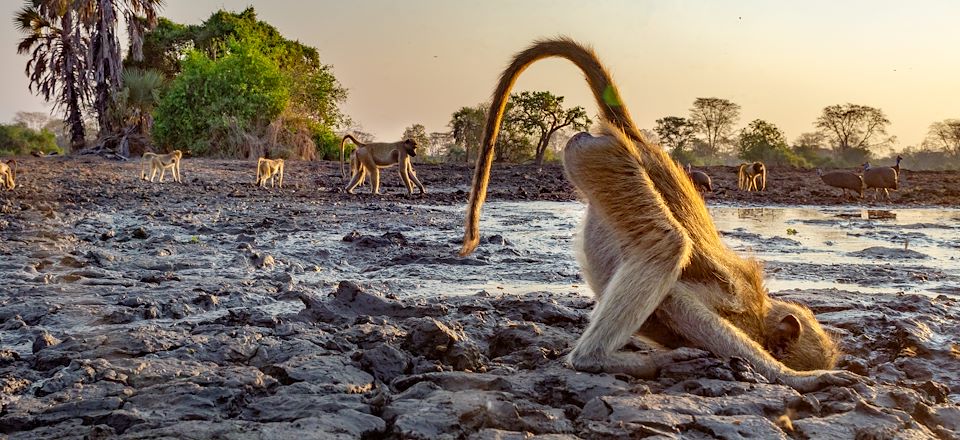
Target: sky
(418,61)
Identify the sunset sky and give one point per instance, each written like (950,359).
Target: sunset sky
(407,62)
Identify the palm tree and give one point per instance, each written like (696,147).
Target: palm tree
(142,93)
(99,18)
(58,66)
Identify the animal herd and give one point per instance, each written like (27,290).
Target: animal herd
(753,177)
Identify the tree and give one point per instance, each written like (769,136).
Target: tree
(57,67)
(714,118)
(467,127)
(945,135)
(32,120)
(542,114)
(225,99)
(418,133)
(763,141)
(100,19)
(131,112)
(676,134)
(853,128)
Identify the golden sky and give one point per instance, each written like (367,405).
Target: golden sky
(418,61)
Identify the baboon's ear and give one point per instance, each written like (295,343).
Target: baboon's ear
(789,329)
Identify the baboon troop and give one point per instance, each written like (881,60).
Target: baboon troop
(752,177)
(268,169)
(651,254)
(161,162)
(369,158)
(8,174)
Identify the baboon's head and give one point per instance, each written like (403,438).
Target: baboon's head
(410,146)
(589,160)
(796,338)
(177,154)
(757,167)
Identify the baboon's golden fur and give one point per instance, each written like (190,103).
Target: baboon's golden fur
(651,254)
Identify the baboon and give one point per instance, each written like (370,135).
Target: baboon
(749,174)
(652,256)
(369,158)
(161,162)
(268,169)
(8,174)
(700,179)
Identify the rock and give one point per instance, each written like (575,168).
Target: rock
(43,340)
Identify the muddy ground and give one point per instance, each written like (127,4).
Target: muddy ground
(214,309)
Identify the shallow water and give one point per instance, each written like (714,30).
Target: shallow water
(802,247)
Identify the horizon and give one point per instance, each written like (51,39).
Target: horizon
(418,62)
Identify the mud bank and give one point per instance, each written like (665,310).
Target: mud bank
(216,310)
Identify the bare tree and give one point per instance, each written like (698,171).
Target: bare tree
(715,118)
(33,120)
(853,127)
(945,135)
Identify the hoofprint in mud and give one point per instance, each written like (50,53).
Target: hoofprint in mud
(216,309)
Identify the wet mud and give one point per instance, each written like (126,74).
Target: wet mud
(214,309)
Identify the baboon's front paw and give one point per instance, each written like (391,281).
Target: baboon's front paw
(816,380)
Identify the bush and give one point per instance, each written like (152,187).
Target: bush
(223,100)
(18,139)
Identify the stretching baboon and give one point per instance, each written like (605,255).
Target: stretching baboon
(161,162)
(268,169)
(749,174)
(369,158)
(8,174)
(652,255)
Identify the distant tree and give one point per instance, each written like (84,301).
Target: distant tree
(714,118)
(57,68)
(542,114)
(32,120)
(418,133)
(765,142)
(853,129)
(467,127)
(676,135)
(945,135)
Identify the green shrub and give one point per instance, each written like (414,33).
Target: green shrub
(18,139)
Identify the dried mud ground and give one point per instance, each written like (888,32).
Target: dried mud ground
(213,309)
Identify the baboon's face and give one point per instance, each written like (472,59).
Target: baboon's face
(798,340)
(411,146)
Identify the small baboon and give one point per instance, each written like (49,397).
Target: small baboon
(750,174)
(652,256)
(268,169)
(8,174)
(161,162)
(369,158)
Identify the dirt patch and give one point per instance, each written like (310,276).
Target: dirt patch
(215,309)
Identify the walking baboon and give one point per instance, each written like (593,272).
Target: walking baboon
(369,158)
(652,255)
(8,174)
(749,174)
(161,162)
(268,169)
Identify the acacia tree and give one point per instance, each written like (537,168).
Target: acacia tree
(542,114)
(853,127)
(765,142)
(57,67)
(676,134)
(714,118)
(945,135)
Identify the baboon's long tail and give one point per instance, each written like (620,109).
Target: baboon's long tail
(604,91)
(342,141)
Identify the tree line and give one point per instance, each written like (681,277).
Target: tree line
(234,86)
